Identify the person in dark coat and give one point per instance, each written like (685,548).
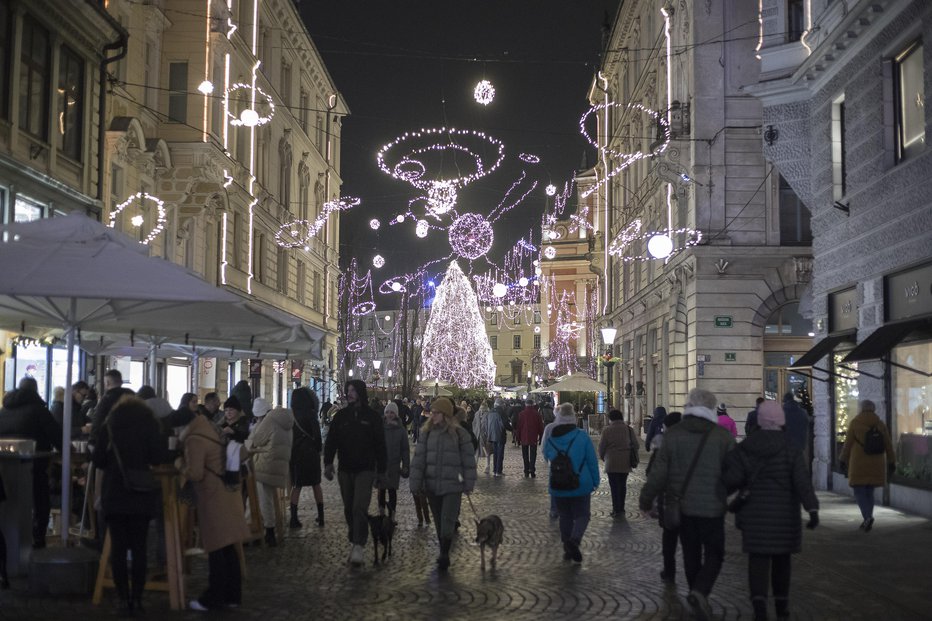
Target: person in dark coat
(397,459)
(243,394)
(357,437)
(770,470)
(78,393)
(797,425)
(235,425)
(529,429)
(750,423)
(25,415)
(113,387)
(305,452)
(130,439)
(669,536)
(656,426)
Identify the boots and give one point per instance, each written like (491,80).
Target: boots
(417,509)
(320,514)
(443,561)
(295,522)
(270,537)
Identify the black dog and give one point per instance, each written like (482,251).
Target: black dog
(382,528)
(489,532)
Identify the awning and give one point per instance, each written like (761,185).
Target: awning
(885,338)
(821,349)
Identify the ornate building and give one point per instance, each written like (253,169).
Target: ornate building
(681,176)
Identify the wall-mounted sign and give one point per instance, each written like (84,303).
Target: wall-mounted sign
(723,321)
(731,356)
(255,368)
(909,293)
(843,310)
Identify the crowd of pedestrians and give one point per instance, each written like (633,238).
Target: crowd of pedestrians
(366,444)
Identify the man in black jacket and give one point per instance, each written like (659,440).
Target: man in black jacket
(113,385)
(357,437)
(25,415)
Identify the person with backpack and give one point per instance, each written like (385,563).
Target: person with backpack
(574,475)
(870,460)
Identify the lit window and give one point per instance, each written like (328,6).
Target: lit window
(910,102)
(70,103)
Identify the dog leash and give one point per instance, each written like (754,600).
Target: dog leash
(472,506)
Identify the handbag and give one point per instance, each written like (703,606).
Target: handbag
(744,494)
(672,516)
(134,479)
(634,457)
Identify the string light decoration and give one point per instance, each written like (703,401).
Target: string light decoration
(471,236)
(378,261)
(529,158)
(298,233)
(250,117)
(484,92)
(374,224)
(441,197)
(550,190)
(421,228)
(550,252)
(137,221)
(580,221)
(455,348)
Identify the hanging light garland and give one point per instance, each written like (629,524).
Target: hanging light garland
(378,261)
(529,158)
(550,190)
(298,233)
(137,221)
(471,236)
(250,117)
(374,224)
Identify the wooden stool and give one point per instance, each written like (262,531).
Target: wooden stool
(174,581)
(256,531)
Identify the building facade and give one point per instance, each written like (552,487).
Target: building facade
(682,176)
(848,116)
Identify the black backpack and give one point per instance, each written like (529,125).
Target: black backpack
(873,442)
(562,474)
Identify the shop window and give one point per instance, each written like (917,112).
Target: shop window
(912,412)
(178,92)
(35,64)
(70,103)
(794,218)
(786,321)
(6,48)
(844,401)
(27,210)
(909,92)
(516,341)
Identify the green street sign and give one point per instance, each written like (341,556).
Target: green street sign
(723,321)
(731,356)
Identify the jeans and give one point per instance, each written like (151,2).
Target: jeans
(392,499)
(529,454)
(618,483)
(268,496)
(864,495)
(574,516)
(128,532)
(446,510)
(224,581)
(703,540)
(765,570)
(668,539)
(498,451)
(356,490)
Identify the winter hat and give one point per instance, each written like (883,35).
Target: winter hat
(260,407)
(442,404)
(770,415)
(234,403)
(565,414)
(722,409)
(868,406)
(390,408)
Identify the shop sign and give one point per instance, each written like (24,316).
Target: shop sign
(843,310)
(909,293)
(723,321)
(255,368)
(731,356)
(297,368)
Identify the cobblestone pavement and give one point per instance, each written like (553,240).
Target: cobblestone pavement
(841,573)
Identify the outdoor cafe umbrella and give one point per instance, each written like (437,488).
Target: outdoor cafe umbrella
(74,273)
(574,383)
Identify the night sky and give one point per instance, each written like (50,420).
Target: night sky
(406,65)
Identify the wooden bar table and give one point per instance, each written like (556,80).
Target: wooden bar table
(169,477)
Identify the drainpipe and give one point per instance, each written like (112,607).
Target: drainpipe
(119,44)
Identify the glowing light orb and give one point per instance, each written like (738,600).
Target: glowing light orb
(536,329)
(660,246)
(137,221)
(523,281)
(550,252)
(550,190)
(378,261)
(396,286)
(471,236)
(484,92)
(421,228)
(206,87)
(249,117)
(399,218)
(538,271)
(488,309)
(441,198)
(374,224)
(499,308)
(499,290)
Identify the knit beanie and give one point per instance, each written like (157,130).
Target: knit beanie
(234,403)
(260,407)
(770,416)
(442,404)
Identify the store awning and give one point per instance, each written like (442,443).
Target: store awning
(822,349)
(885,338)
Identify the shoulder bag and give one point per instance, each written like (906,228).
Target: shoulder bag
(134,479)
(671,501)
(634,459)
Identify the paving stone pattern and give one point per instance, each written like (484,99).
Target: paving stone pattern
(841,574)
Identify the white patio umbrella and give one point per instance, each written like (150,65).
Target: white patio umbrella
(75,273)
(575,383)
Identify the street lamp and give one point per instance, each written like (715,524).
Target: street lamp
(608,338)
(529,382)
(376,365)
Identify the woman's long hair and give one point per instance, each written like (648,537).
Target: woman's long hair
(448,423)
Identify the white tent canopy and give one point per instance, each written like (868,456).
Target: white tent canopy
(575,383)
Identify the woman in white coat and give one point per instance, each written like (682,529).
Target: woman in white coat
(269,445)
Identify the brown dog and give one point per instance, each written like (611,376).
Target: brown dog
(489,532)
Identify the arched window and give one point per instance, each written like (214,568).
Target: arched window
(786,321)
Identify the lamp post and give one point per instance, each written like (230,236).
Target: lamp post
(528,382)
(388,388)
(377,364)
(608,339)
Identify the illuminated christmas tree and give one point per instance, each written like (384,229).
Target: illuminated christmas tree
(455,347)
